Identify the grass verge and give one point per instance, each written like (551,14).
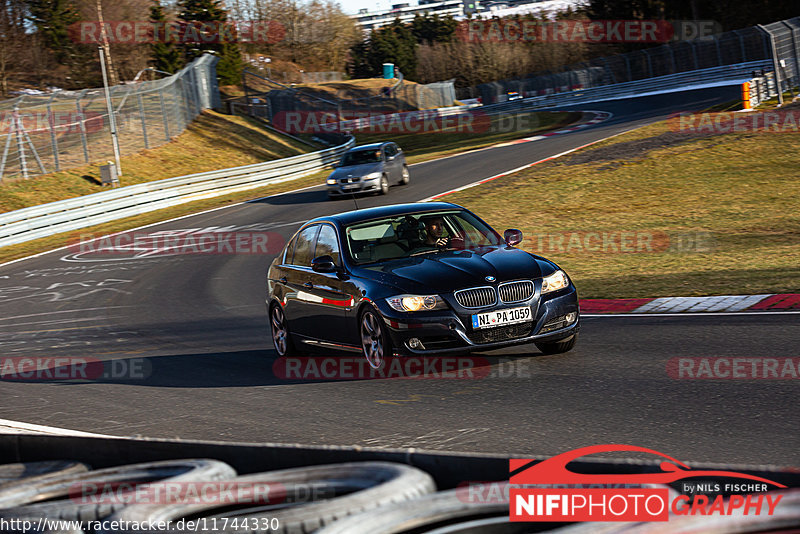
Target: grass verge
(660,213)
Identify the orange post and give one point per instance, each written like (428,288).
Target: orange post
(746,95)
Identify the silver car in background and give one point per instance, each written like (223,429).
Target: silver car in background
(368,169)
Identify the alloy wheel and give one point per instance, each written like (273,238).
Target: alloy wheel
(372,345)
(280,334)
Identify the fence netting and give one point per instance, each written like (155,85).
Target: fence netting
(778,42)
(45,133)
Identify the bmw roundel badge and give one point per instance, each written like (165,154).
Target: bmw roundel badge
(490,278)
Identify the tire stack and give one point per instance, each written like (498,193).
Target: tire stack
(344,498)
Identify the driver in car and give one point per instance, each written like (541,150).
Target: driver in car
(434,235)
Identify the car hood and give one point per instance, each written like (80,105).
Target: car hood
(445,272)
(357,170)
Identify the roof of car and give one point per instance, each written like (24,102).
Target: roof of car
(366,214)
(372,146)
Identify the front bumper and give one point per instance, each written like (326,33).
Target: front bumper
(450,331)
(349,188)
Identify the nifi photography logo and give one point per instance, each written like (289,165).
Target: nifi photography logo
(615,497)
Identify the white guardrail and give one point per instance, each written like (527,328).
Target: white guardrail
(35,222)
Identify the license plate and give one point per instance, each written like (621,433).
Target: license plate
(350,186)
(502,317)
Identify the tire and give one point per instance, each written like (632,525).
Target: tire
(13,473)
(433,510)
(376,346)
(557,347)
(406,176)
(368,485)
(384,190)
(23,499)
(282,341)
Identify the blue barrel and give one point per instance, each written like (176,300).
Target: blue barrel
(388,71)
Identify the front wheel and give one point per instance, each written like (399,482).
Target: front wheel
(384,185)
(375,345)
(406,176)
(280,332)
(557,347)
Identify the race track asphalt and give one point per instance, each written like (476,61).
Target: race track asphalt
(195,330)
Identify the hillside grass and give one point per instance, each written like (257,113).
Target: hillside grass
(720,212)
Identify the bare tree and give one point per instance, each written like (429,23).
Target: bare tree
(13,41)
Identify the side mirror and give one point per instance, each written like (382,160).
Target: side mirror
(513,237)
(323,264)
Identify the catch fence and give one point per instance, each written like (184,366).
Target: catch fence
(52,132)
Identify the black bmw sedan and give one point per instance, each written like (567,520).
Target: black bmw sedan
(425,278)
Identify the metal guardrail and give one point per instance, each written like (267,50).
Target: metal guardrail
(684,80)
(35,222)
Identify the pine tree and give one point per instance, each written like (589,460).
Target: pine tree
(433,29)
(394,43)
(230,66)
(52,19)
(165,55)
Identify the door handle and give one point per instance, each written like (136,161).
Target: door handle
(309,285)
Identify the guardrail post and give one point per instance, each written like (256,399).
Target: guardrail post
(141,117)
(164,114)
(53,139)
(7,147)
(82,126)
(20,144)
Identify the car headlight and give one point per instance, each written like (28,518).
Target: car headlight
(331,181)
(407,303)
(554,282)
(372,176)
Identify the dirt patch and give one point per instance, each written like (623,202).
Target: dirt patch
(636,149)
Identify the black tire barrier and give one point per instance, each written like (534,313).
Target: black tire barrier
(23,499)
(429,511)
(15,473)
(366,485)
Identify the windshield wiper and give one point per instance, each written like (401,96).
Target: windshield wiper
(429,251)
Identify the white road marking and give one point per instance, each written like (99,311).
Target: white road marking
(12,427)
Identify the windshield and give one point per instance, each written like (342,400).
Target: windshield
(418,234)
(357,157)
